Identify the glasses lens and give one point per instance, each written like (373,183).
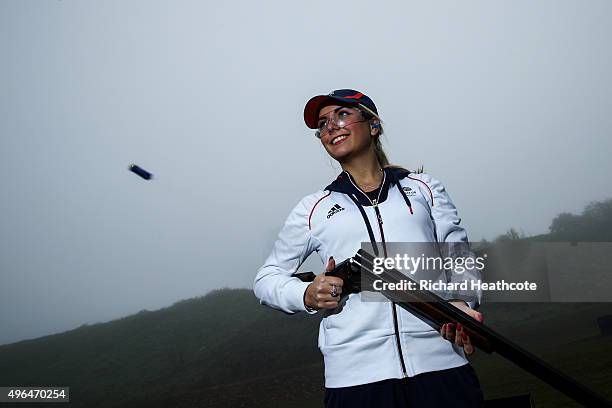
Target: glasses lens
(340,118)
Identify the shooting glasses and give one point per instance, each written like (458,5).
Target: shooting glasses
(340,117)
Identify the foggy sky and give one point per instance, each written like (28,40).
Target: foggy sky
(507,103)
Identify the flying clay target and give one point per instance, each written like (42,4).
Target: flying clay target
(141,172)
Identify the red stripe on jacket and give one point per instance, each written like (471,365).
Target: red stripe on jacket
(315,206)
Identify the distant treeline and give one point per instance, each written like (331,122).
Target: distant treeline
(593,225)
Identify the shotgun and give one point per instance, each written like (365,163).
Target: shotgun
(357,274)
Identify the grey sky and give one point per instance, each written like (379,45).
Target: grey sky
(508,103)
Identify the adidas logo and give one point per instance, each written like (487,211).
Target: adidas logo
(409,192)
(334,210)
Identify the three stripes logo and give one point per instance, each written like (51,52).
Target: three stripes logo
(334,210)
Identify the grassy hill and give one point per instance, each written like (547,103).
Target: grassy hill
(226,350)
(205,343)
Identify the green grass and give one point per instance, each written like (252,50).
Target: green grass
(226,350)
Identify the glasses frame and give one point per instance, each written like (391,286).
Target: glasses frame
(366,115)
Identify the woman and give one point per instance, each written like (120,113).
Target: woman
(376,354)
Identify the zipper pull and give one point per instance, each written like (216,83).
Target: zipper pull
(375,205)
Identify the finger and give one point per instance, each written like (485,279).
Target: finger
(468,348)
(326,297)
(475,315)
(331,264)
(461,305)
(458,339)
(323,293)
(443,330)
(333,280)
(326,294)
(480,317)
(327,305)
(324,282)
(450,331)
(336,287)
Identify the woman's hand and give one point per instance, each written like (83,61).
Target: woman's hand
(454,331)
(324,292)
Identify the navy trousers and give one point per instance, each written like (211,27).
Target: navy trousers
(456,387)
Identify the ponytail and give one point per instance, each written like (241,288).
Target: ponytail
(381,156)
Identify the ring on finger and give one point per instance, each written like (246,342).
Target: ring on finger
(334,291)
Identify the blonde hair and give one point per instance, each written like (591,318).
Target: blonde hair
(370,116)
(381,156)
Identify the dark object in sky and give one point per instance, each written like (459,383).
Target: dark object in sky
(141,172)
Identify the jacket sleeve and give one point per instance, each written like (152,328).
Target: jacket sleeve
(273,284)
(452,238)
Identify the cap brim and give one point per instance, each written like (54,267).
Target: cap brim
(314,105)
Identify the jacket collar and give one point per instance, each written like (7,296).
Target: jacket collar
(345,184)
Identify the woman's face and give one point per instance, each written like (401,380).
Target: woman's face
(350,140)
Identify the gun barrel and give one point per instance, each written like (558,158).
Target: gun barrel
(435,311)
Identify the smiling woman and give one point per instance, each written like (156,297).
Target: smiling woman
(376,354)
(347,115)
(337,123)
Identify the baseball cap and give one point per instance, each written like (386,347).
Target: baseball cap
(343,96)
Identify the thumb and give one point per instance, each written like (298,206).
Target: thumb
(476,315)
(331,264)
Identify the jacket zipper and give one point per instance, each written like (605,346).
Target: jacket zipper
(382,236)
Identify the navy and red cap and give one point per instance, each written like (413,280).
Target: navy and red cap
(341,96)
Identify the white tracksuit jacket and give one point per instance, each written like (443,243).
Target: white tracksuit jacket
(359,344)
